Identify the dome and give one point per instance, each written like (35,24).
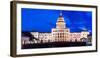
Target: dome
(60,22)
(60,19)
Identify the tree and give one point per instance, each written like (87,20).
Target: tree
(83,39)
(28,34)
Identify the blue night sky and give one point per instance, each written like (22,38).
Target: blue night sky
(43,20)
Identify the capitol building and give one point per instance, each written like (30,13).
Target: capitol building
(58,34)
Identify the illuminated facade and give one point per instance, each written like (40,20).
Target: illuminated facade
(60,33)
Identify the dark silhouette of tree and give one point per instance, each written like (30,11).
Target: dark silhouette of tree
(28,34)
(90,38)
(83,39)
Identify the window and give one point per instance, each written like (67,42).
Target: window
(66,30)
